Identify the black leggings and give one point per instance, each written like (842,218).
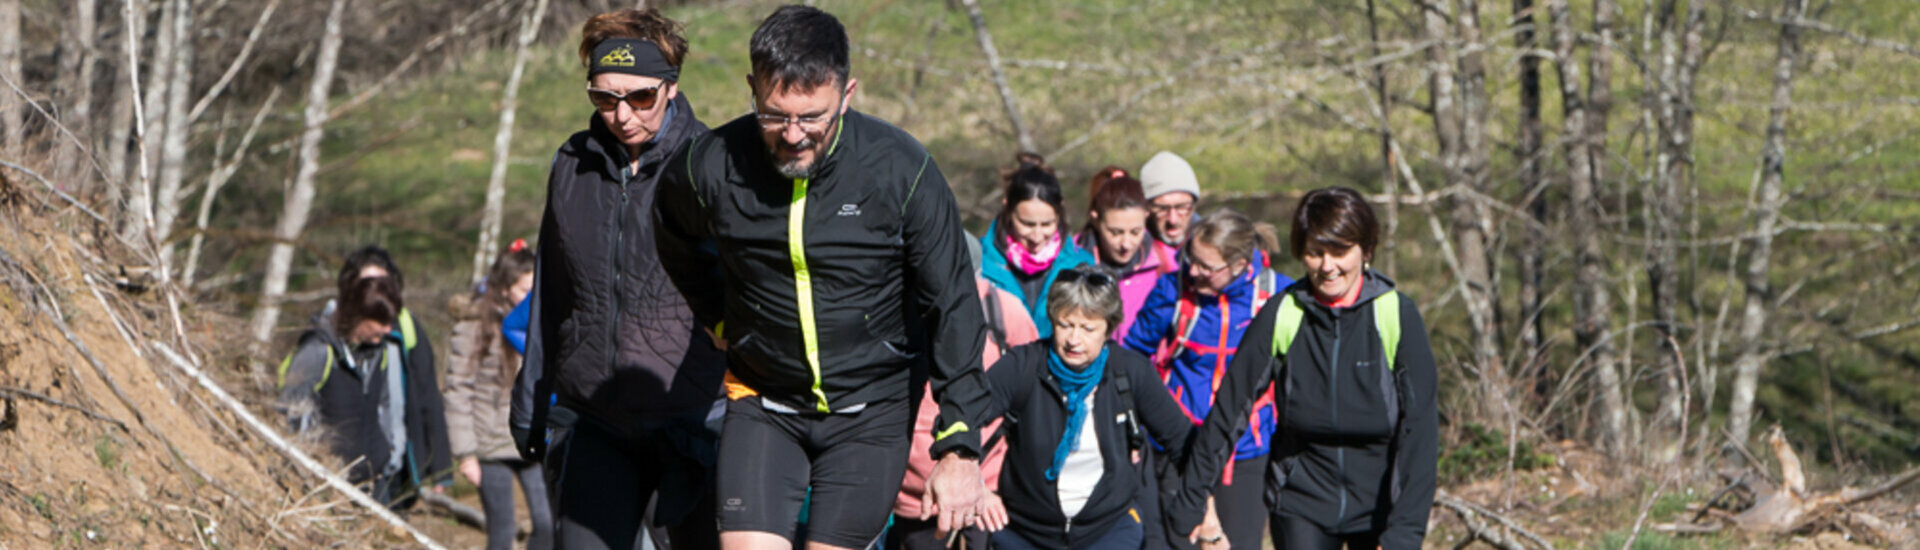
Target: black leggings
(1295,533)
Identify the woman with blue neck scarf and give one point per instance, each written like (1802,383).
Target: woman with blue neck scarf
(1076,410)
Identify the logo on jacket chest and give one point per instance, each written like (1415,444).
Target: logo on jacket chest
(849,210)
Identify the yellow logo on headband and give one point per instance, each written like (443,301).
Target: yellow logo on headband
(622,57)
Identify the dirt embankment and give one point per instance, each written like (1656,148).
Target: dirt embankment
(104,441)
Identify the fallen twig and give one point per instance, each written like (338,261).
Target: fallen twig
(43,398)
(1470,513)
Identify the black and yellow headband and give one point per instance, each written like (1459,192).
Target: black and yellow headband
(631,56)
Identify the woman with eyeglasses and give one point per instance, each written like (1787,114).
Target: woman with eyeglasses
(1353,460)
(1192,326)
(618,382)
(1117,238)
(1075,408)
(1026,246)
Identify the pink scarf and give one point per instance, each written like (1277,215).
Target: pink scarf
(1034,261)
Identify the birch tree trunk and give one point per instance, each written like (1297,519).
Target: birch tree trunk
(152,114)
(1458,89)
(502,145)
(216,180)
(1592,305)
(299,200)
(113,152)
(173,146)
(76,82)
(1533,181)
(1007,99)
(1768,201)
(11,115)
(1383,111)
(1679,62)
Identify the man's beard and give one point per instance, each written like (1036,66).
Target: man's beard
(796,168)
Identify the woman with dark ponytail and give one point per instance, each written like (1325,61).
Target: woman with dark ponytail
(1026,247)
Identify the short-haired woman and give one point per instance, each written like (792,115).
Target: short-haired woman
(1075,408)
(617,379)
(1353,458)
(1193,324)
(1026,246)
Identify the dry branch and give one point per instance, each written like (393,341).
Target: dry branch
(43,398)
(1471,514)
(281,444)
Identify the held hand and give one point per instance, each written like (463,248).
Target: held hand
(993,513)
(1209,535)
(718,342)
(470,469)
(953,492)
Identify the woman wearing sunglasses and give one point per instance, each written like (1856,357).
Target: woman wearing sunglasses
(1116,237)
(1353,461)
(617,379)
(1075,408)
(1192,325)
(1026,246)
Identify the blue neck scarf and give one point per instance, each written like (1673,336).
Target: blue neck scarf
(1076,384)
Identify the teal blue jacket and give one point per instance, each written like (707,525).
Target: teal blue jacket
(993,266)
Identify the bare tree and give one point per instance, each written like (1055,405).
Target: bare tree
(153,124)
(1766,218)
(173,145)
(502,144)
(1460,108)
(1592,306)
(1533,180)
(76,72)
(217,179)
(1007,99)
(299,200)
(113,151)
(1673,94)
(10,115)
(1384,112)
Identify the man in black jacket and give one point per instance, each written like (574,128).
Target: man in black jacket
(617,379)
(835,239)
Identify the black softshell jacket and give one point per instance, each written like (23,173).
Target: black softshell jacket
(1036,409)
(1356,445)
(823,322)
(608,333)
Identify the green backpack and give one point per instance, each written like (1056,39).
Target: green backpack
(1386,319)
(408,338)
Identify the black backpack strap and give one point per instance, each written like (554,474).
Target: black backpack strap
(1123,385)
(996,324)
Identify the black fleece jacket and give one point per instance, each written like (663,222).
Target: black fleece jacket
(608,333)
(1356,445)
(820,282)
(1032,400)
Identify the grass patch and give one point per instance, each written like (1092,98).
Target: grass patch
(1483,451)
(107,452)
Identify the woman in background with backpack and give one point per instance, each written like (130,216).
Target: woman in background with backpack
(1192,325)
(1354,455)
(480,372)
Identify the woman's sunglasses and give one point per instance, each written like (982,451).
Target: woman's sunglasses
(640,100)
(1090,277)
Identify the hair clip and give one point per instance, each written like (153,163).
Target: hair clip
(517,246)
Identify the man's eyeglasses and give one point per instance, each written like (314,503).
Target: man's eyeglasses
(1162,209)
(809,124)
(1089,277)
(640,100)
